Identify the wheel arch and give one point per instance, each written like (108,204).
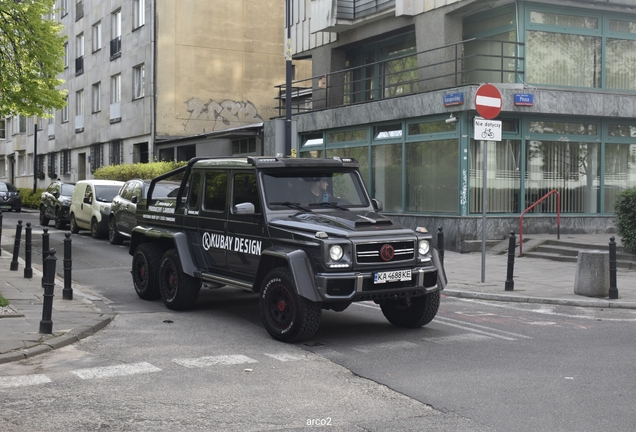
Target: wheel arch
(297,261)
(167,240)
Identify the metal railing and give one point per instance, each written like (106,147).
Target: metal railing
(554,191)
(354,9)
(473,61)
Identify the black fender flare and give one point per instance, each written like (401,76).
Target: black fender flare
(168,240)
(298,262)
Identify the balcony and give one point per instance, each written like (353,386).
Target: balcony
(346,13)
(115,48)
(79,65)
(469,62)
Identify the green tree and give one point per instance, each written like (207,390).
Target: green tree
(31,57)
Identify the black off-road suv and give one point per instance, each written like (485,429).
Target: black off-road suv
(303,233)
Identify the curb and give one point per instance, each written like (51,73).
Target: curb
(595,303)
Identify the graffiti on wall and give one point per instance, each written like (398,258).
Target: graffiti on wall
(224,115)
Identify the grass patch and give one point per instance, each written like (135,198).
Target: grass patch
(3,301)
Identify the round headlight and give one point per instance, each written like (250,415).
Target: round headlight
(336,252)
(423,247)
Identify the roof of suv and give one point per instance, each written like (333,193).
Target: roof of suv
(276,162)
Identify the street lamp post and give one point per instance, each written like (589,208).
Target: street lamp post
(288,80)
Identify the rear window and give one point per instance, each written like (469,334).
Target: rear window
(7,187)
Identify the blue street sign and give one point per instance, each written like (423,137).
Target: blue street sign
(524,99)
(454,99)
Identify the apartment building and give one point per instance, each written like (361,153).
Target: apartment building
(394,85)
(152,80)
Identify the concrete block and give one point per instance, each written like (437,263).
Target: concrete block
(592,273)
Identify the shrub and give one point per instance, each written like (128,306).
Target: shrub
(30,199)
(625,217)
(125,172)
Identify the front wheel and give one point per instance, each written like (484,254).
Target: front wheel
(95,229)
(411,312)
(178,290)
(145,271)
(44,221)
(59,223)
(287,316)
(73,225)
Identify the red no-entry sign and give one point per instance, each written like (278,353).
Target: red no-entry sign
(488,101)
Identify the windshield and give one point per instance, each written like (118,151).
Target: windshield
(67,189)
(106,193)
(7,187)
(314,190)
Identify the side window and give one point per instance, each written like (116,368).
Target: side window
(124,192)
(215,191)
(245,190)
(135,191)
(89,193)
(194,190)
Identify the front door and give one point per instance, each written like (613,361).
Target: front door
(210,214)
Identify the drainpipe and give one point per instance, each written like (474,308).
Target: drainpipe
(153,77)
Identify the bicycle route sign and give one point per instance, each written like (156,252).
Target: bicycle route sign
(488,101)
(487,130)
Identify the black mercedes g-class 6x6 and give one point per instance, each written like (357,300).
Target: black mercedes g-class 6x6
(303,233)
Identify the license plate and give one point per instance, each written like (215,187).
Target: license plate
(4,207)
(392,276)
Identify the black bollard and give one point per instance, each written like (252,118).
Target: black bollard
(67,292)
(440,244)
(0,232)
(46,324)
(613,289)
(45,252)
(28,271)
(512,244)
(16,246)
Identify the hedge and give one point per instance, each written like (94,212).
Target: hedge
(125,172)
(30,199)
(625,218)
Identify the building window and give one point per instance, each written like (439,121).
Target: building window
(97,36)
(21,164)
(139,13)
(79,102)
(52,159)
(116,152)
(115,34)
(65,161)
(3,167)
(79,58)
(3,129)
(65,110)
(63,8)
(115,89)
(66,55)
(22,124)
(79,9)
(245,146)
(96,157)
(97,99)
(40,167)
(139,82)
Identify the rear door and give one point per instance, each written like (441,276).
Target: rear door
(244,231)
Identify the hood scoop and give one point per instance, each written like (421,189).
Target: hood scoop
(346,220)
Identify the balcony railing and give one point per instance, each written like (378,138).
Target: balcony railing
(354,9)
(473,61)
(79,65)
(115,47)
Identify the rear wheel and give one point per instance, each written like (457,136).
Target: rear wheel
(411,312)
(145,270)
(178,290)
(44,221)
(113,235)
(287,316)
(74,228)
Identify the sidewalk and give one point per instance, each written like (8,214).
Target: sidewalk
(535,280)
(20,322)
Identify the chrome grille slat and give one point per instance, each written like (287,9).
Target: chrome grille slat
(369,253)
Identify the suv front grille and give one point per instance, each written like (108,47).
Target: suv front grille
(370,253)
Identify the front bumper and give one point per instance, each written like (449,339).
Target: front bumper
(13,203)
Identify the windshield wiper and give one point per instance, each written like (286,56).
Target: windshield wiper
(328,204)
(289,204)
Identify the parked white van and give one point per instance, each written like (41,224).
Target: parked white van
(90,205)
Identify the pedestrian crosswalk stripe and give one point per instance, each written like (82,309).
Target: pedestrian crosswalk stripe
(386,345)
(464,337)
(23,380)
(284,357)
(214,360)
(118,370)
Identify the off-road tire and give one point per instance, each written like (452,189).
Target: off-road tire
(44,221)
(411,312)
(73,225)
(287,317)
(145,270)
(59,223)
(113,235)
(179,291)
(95,229)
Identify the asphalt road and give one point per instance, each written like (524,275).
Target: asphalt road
(478,366)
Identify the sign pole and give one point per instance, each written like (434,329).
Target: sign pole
(484,204)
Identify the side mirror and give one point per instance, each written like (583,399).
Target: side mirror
(134,199)
(377,205)
(244,208)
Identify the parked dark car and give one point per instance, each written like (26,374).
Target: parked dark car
(123,209)
(9,197)
(55,203)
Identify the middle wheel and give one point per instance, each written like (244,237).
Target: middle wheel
(178,290)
